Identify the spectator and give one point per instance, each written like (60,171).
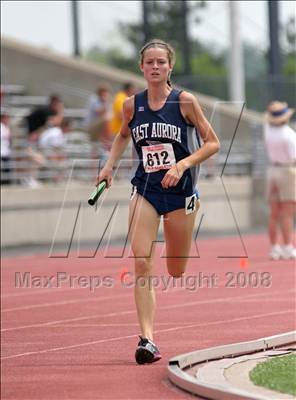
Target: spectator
(5,148)
(51,114)
(280,142)
(128,90)
(97,121)
(52,143)
(37,121)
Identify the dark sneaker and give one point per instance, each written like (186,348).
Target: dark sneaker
(147,352)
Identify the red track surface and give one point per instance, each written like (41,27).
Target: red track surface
(63,343)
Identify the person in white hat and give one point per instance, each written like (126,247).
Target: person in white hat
(280,140)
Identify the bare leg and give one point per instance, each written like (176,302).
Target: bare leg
(178,228)
(274,220)
(144,223)
(287,213)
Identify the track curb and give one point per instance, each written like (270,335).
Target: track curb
(187,382)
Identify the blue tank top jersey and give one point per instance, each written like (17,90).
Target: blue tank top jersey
(165,126)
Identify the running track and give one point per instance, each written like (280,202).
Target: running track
(71,343)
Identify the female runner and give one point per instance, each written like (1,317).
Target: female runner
(166,126)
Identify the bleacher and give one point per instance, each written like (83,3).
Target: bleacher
(18,104)
(79,163)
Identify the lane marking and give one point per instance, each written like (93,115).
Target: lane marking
(59,303)
(74,346)
(115,314)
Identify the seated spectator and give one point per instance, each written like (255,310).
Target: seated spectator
(51,114)
(5,148)
(40,118)
(52,144)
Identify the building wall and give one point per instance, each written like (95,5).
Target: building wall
(47,214)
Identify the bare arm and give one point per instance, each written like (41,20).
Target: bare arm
(193,114)
(120,142)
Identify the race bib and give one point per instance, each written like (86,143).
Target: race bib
(157,157)
(190,204)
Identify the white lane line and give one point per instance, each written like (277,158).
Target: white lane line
(36,291)
(108,325)
(97,299)
(65,302)
(54,290)
(115,314)
(39,291)
(205,324)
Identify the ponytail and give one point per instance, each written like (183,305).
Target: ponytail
(169,82)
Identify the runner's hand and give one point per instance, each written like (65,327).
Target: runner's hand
(172,177)
(105,174)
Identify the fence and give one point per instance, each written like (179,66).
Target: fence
(239,154)
(237,131)
(259,91)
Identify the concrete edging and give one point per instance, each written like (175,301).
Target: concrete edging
(191,384)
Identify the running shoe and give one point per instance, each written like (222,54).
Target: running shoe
(147,352)
(288,252)
(275,252)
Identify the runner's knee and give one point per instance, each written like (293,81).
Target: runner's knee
(143,266)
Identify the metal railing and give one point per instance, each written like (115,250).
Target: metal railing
(79,161)
(259,90)
(79,152)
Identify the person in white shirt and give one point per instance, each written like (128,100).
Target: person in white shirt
(53,138)
(52,143)
(5,148)
(280,141)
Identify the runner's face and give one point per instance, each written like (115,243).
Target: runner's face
(156,66)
